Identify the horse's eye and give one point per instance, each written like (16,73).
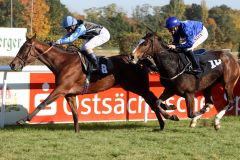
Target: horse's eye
(142,42)
(145,43)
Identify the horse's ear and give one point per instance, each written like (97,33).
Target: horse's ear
(34,36)
(27,38)
(30,38)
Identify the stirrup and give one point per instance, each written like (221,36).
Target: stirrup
(94,67)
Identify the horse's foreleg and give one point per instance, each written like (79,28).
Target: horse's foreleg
(164,96)
(72,103)
(151,99)
(208,105)
(160,105)
(52,97)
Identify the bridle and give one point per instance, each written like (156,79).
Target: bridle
(32,46)
(150,48)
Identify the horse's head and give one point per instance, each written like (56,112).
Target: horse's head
(148,46)
(26,55)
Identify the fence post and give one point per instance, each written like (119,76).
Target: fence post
(4,91)
(146,108)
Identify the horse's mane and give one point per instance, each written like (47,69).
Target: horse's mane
(58,48)
(164,45)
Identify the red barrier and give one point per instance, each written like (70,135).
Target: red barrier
(114,104)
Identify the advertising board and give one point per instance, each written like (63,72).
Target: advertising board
(11,39)
(114,104)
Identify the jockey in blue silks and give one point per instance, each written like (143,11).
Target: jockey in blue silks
(194,34)
(93,34)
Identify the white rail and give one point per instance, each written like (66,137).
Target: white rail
(33,68)
(6,69)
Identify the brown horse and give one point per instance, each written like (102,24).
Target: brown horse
(70,78)
(178,80)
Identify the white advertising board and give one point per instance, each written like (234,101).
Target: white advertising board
(17,96)
(11,39)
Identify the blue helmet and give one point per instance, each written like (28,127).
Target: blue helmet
(172,22)
(69,21)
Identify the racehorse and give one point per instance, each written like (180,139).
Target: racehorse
(176,79)
(71,78)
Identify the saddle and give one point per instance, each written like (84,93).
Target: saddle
(105,68)
(206,60)
(104,63)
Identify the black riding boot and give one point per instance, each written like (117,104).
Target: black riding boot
(195,64)
(93,59)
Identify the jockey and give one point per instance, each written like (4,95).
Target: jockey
(94,35)
(194,34)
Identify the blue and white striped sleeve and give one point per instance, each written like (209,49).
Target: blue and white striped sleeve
(81,30)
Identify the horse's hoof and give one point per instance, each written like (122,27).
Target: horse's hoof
(20,122)
(171,107)
(161,127)
(217,127)
(193,124)
(174,118)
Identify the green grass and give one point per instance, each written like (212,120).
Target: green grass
(122,140)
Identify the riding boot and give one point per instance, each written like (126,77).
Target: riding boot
(93,59)
(195,64)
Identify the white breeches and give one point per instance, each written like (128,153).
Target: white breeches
(200,38)
(96,41)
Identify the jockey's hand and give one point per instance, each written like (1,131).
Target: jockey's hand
(51,43)
(171,46)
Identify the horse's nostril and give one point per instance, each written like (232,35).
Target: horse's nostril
(132,57)
(12,66)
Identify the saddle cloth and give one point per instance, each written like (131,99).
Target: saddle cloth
(207,61)
(104,63)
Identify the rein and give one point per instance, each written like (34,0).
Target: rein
(30,50)
(175,76)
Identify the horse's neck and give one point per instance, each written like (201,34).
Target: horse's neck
(53,59)
(167,63)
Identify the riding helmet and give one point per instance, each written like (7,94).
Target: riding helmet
(172,22)
(69,21)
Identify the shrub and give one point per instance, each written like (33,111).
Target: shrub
(127,42)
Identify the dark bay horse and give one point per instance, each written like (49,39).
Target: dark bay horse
(225,69)
(70,78)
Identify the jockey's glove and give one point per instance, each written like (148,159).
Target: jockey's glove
(51,43)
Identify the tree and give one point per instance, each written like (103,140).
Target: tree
(93,14)
(175,8)
(57,12)
(141,12)
(194,12)
(204,11)
(5,14)
(223,16)
(40,23)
